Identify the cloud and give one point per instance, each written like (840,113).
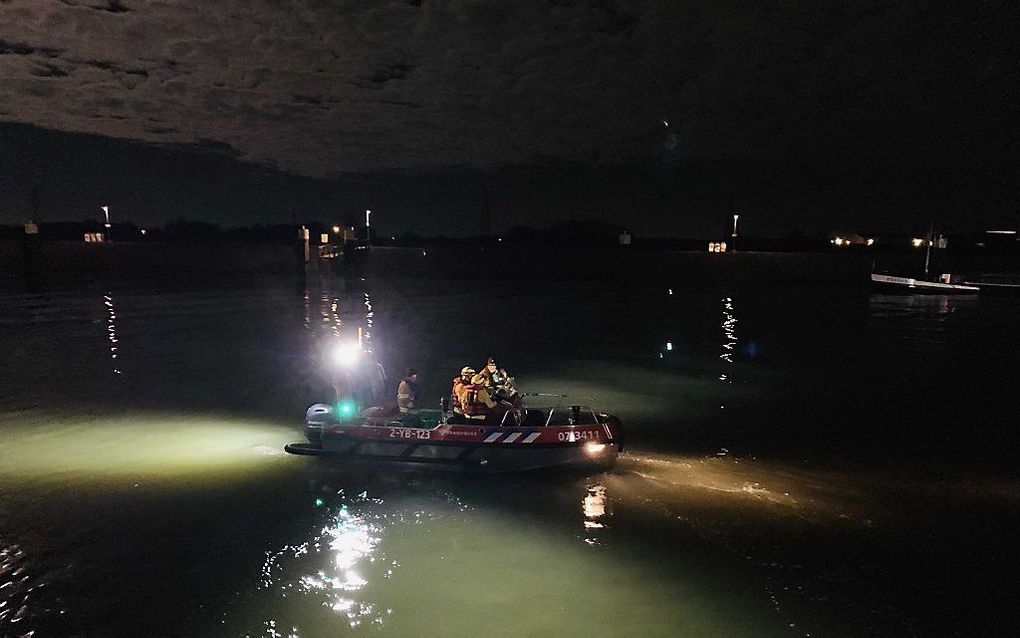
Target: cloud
(322,88)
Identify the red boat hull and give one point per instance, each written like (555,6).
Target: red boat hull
(472,447)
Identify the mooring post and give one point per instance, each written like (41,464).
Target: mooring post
(301,252)
(31,250)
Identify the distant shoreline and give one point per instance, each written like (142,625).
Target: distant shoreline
(69,260)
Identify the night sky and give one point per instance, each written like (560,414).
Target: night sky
(807,116)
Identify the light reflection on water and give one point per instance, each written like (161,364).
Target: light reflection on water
(330,309)
(45,448)
(424,560)
(307,304)
(111,331)
(406,559)
(371,559)
(57,474)
(729,326)
(465,555)
(15,588)
(369,321)
(594,508)
(350,540)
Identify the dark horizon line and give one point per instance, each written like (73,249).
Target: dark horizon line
(568,228)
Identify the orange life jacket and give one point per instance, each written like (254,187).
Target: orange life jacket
(454,399)
(465,399)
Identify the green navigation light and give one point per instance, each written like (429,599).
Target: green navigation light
(346,408)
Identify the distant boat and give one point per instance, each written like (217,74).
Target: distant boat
(943,286)
(910,285)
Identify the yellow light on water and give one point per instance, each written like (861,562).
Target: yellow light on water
(594,508)
(52,448)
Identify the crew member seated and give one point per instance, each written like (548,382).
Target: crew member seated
(500,387)
(469,399)
(497,382)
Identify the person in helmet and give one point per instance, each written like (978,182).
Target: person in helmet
(406,391)
(496,381)
(498,384)
(459,381)
(470,399)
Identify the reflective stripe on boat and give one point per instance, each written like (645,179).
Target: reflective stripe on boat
(531,437)
(513,437)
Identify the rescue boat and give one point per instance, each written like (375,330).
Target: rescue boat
(560,435)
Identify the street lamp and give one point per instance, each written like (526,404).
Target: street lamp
(106,211)
(368,227)
(736,216)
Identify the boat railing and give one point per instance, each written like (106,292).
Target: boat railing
(563,413)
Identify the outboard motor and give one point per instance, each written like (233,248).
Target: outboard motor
(318,416)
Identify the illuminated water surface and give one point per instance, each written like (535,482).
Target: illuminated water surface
(795,469)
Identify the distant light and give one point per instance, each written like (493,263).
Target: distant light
(319,502)
(669,291)
(870,241)
(499,239)
(336,230)
(665,123)
(839,241)
(669,345)
(1001,232)
(144,231)
(917,242)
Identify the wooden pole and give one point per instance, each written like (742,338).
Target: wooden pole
(31,252)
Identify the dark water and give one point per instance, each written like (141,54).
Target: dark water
(802,461)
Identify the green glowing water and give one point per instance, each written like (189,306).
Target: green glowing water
(767,491)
